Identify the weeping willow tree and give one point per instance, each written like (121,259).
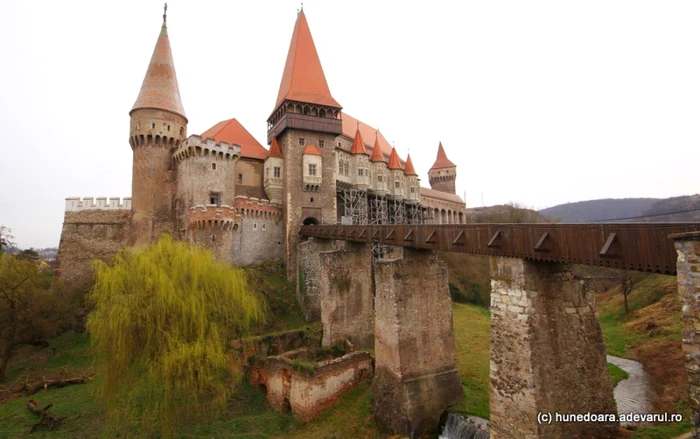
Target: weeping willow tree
(162,318)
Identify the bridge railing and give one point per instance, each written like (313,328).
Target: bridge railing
(631,246)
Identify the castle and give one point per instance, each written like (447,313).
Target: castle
(224,190)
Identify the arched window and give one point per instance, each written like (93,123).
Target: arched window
(347,168)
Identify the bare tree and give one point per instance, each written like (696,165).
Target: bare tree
(624,279)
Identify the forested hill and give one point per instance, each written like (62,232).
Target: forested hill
(653,209)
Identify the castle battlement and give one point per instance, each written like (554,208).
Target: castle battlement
(75,204)
(195,146)
(255,208)
(213,216)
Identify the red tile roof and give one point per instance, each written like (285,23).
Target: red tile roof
(432,193)
(358,144)
(275,150)
(312,150)
(394,162)
(442,161)
(303,78)
(350,126)
(231,131)
(377,155)
(159,88)
(410,170)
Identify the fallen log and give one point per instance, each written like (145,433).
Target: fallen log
(46,419)
(29,390)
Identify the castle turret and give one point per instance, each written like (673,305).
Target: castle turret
(396,173)
(412,186)
(380,173)
(274,170)
(443,173)
(305,114)
(158,126)
(360,161)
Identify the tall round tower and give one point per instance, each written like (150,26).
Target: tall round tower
(443,173)
(158,126)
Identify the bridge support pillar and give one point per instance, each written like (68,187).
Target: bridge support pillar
(688,278)
(346,296)
(415,367)
(309,275)
(547,353)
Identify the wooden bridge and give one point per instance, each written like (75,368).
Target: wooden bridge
(631,246)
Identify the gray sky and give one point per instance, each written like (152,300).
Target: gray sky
(538,102)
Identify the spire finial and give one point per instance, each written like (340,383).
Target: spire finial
(165,12)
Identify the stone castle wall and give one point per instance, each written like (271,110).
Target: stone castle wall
(91,231)
(300,204)
(249,178)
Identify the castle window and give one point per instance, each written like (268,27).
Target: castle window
(311,199)
(263,226)
(397,184)
(338,144)
(379,179)
(360,172)
(215,198)
(168,127)
(347,169)
(138,125)
(255,226)
(340,167)
(301,141)
(240,178)
(277,171)
(312,169)
(182,130)
(213,166)
(320,143)
(413,189)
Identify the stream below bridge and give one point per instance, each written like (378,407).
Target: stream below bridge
(632,395)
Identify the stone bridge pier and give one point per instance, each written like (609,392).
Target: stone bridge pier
(415,365)
(688,278)
(547,353)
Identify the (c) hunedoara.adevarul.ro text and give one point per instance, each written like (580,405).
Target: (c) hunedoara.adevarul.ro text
(548,417)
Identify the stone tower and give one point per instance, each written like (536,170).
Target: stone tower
(306,121)
(443,174)
(158,126)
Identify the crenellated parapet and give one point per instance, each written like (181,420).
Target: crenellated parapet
(196,146)
(213,216)
(75,204)
(259,209)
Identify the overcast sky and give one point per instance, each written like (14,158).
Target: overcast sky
(537,102)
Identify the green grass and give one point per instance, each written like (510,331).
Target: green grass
(616,374)
(662,431)
(472,330)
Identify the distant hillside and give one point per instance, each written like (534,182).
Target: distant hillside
(504,213)
(655,210)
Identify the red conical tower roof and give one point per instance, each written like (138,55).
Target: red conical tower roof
(377,155)
(275,150)
(358,145)
(409,170)
(303,79)
(159,89)
(394,162)
(442,161)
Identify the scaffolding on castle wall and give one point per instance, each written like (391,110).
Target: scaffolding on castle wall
(397,212)
(354,206)
(379,212)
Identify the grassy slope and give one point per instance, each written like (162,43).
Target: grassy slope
(650,334)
